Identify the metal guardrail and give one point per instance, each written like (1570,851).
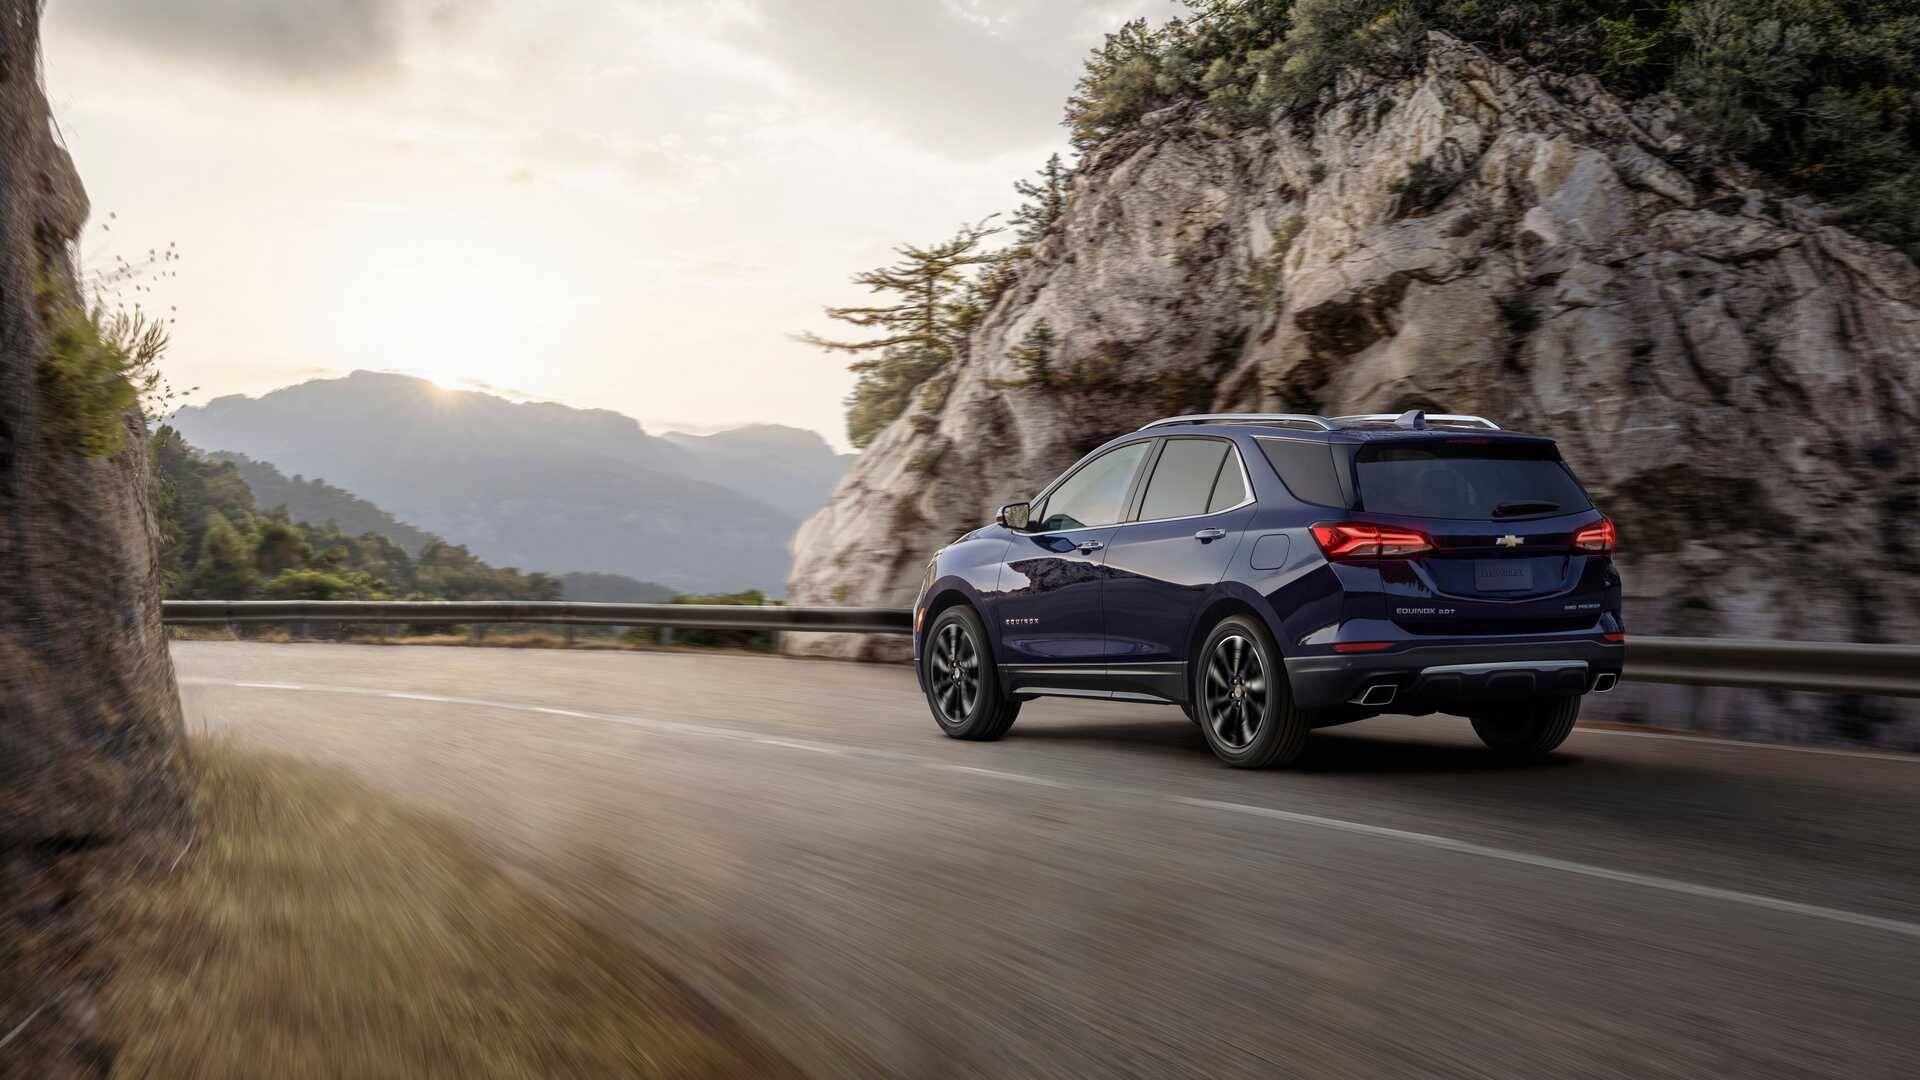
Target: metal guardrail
(1814,666)
(466,612)
(1818,666)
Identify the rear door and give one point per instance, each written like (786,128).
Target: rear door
(1501,514)
(1162,566)
(1049,603)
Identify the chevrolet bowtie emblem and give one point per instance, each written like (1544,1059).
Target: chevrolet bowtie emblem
(1510,541)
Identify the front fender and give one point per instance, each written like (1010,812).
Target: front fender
(969,569)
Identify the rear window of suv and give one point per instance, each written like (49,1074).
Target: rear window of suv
(1466,478)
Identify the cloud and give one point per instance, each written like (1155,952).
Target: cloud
(963,75)
(297,40)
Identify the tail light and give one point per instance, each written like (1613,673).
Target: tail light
(1355,540)
(1597,538)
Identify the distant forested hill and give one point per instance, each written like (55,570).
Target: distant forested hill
(540,485)
(790,468)
(224,538)
(318,502)
(602,588)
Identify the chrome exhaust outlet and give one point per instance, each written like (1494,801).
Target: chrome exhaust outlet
(1604,682)
(1377,694)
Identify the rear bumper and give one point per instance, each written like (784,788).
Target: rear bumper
(1434,677)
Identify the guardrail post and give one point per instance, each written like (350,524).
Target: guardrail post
(569,629)
(666,635)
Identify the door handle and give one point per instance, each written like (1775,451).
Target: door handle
(1208,536)
(1088,547)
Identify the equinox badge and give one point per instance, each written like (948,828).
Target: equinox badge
(1510,541)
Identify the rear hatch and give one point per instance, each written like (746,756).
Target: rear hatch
(1504,517)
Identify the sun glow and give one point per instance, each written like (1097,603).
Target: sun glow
(450,309)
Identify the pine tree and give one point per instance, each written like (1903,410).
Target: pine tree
(225,568)
(1035,354)
(278,547)
(1121,80)
(932,306)
(1046,201)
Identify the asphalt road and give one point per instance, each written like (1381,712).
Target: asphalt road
(1095,896)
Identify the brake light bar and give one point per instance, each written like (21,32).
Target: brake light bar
(1357,540)
(1598,538)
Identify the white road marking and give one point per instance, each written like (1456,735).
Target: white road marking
(1672,885)
(1735,744)
(1685,888)
(794,744)
(997,774)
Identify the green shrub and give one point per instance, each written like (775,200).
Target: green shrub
(1824,95)
(1035,354)
(757,640)
(321,585)
(98,367)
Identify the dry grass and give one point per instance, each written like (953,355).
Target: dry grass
(319,928)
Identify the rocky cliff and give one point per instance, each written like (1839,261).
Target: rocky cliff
(91,764)
(1732,375)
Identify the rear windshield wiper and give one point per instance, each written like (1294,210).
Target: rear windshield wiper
(1533,506)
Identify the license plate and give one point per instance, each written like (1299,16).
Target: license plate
(1502,575)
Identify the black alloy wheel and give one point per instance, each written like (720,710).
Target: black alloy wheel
(1245,706)
(1236,691)
(954,673)
(962,685)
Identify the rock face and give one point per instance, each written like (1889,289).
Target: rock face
(1730,375)
(91,764)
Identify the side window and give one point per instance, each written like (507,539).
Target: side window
(1097,494)
(1183,479)
(1307,468)
(1231,489)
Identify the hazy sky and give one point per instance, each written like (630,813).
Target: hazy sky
(616,203)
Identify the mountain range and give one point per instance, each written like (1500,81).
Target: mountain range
(539,486)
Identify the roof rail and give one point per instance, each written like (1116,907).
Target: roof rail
(1320,422)
(1431,418)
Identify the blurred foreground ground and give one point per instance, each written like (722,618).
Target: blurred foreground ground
(1094,896)
(321,928)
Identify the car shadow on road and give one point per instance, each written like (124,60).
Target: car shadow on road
(1351,752)
(1356,752)
(1176,734)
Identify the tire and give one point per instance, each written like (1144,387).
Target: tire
(962,686)
(1241,694)
(1529,730)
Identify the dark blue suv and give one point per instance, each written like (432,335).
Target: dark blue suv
(1271,574)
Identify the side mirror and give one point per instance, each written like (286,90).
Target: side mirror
(1015,516)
